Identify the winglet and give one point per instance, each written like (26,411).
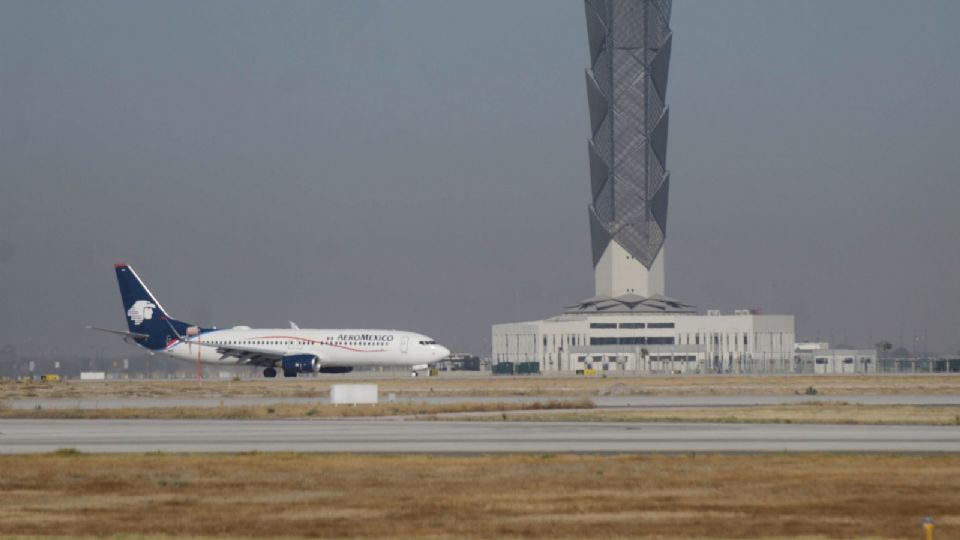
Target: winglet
(293,325)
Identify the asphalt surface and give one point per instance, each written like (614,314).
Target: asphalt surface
(392,436)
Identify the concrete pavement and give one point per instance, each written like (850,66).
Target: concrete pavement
(387,436)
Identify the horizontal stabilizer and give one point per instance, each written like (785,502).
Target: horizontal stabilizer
(133,335)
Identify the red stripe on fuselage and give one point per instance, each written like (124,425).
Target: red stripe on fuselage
(328,344)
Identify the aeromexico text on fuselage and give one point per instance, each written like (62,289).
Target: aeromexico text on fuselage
(365,337)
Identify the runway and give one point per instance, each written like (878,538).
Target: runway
(392,436)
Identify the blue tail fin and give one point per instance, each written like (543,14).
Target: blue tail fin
(144,313)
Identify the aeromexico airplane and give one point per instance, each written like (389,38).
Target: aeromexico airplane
(290,350)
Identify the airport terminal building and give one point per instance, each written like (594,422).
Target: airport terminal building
(630,324)
(649,335)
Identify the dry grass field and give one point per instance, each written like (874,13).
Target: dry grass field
(287,411)
(570,386)
(509,496)
(808,413)
(563,410)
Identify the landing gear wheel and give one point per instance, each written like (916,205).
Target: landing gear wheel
(289,373)
(413,373)
(269,373)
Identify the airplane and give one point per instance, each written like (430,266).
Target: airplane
(291,351)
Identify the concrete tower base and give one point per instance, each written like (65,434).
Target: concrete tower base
(618,273)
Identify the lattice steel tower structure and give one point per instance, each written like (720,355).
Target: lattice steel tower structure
(626,90)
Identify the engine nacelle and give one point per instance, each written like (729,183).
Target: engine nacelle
(300,363)
(336,369)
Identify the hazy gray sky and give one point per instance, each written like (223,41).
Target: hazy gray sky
(422,164)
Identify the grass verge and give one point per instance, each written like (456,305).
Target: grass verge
(808,413)
(543,385)
(504,496)
(289,411)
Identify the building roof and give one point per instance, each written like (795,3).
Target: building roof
(631,303)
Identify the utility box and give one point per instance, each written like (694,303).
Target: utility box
(353,394)
(503,368)
(528,368)
(92,376)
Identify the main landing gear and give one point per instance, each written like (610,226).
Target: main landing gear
(271,373)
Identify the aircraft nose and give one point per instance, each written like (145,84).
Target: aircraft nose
(443,351)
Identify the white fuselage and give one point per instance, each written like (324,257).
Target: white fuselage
(331,347)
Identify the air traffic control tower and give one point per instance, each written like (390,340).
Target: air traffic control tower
(630,325)
(629,182)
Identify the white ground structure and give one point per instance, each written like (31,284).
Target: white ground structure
(649,335)
(820,359)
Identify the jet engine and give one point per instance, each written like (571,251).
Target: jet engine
(300,363)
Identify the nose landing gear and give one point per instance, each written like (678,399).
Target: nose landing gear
(415,370)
